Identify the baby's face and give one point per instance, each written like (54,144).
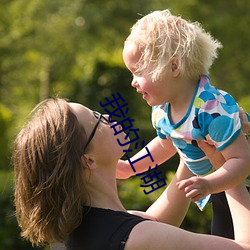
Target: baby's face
(152,92)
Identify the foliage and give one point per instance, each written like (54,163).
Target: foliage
(73,49)
(245,103)
(5,124)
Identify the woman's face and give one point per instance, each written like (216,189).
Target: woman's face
(103,143)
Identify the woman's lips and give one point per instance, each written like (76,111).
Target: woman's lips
(144,95)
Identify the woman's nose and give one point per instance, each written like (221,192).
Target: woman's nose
(108,117)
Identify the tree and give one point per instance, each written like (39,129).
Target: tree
(72,48)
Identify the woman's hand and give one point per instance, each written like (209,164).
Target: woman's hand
(245,124)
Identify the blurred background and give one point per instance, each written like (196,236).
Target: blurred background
(72,48)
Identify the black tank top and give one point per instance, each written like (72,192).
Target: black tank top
(102,229)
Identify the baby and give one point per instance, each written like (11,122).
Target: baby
(170,59)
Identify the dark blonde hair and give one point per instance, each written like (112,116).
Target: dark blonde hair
(49,181)
(160,36)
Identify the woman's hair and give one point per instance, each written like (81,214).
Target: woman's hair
(160,36)
(49,181)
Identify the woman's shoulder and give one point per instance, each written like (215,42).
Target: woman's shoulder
(110,227)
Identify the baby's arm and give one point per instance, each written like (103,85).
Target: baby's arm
(235,170)
(160,150)
(171,207)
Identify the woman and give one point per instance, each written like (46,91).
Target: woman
(65,189)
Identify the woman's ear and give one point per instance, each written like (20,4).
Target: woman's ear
(175,66)
(90,161)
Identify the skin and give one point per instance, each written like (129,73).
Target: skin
(169,208)
(167,89)
(245,122)
(217,161)
(178,91)
(100,160)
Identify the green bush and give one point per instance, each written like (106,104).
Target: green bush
(5,124)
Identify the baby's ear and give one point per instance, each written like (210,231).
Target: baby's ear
(91,164)
(175,66)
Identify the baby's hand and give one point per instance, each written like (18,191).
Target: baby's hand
(123,170)
(195,187)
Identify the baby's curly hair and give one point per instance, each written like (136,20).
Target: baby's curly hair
(160,36)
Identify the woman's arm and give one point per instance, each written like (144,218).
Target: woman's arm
(160,236)
(239,203)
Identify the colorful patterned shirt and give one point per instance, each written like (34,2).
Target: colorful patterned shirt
(213,115)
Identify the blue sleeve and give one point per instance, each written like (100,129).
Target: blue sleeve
(162,136)
(219,120)
(158,121)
